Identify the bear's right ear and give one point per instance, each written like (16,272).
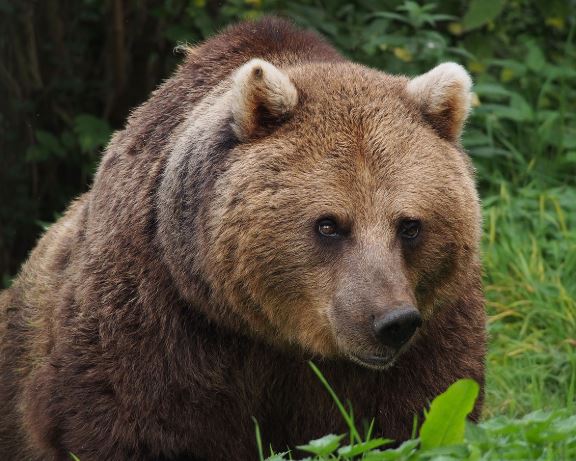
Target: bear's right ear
(261,95)
(443,95)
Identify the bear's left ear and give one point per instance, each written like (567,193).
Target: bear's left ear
(443,94)
(262,95)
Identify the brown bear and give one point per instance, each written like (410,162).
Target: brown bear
(272,203)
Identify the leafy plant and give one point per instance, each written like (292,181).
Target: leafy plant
(446,434)
(444,424)
(480,12)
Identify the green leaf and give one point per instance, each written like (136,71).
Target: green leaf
(535,59)
(35,154)
(480,12)
(446,421)
(350,451)
(323,446)
(93,132)
(278,456)
(47,146)
(49,142)
(565,426)
(491,90)
(404,451)
(258,440)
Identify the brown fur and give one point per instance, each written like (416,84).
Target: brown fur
(184,294)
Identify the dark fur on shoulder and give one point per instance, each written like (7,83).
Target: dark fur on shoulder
(182,295)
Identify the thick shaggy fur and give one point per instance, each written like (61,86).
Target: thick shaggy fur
(184,294)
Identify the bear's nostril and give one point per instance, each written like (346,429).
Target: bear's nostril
(396,327)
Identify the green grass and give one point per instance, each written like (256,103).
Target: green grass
(530,283)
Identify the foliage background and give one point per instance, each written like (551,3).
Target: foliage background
(71,71)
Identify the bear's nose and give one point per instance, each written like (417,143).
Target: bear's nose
(396,327)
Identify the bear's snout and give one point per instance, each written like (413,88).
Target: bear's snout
(396,327)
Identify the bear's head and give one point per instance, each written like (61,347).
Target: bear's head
(324,205)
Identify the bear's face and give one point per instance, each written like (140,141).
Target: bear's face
(342,218)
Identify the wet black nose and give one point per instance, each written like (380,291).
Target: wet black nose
(396,327)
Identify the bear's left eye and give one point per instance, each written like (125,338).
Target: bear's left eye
(409,229)
(328,228)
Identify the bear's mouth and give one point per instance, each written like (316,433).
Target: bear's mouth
(376,362)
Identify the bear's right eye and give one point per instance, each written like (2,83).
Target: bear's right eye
(409,229)
(328,228)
